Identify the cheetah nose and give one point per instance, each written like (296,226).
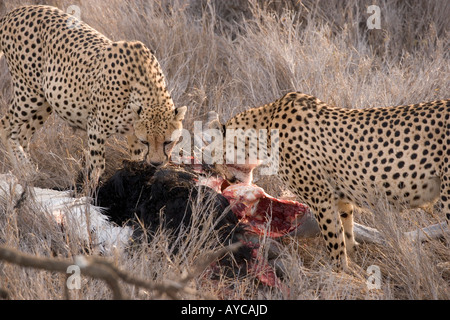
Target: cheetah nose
(156,164)
(233,180)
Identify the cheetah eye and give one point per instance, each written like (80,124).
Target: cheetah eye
(166,143)
(143,142)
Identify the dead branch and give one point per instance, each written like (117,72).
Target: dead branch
(55,265)
(99,268)
(364,234)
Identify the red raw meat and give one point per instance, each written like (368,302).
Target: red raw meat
(262,213)
(261,269)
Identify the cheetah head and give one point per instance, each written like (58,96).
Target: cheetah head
(158,130)
(234,161)
(157,123)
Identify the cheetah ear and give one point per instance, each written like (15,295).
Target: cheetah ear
(134,103)
(180,113)
(213,122)
(136,108)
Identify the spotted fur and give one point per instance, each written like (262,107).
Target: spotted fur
(64,66)
(334,158)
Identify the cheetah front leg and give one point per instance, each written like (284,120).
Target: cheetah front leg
(96,155)
(138,151)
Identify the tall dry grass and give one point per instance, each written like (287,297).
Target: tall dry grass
(231,55)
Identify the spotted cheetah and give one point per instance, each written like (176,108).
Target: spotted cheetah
(334,158)
(63,65)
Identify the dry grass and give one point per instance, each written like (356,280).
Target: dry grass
(227,56)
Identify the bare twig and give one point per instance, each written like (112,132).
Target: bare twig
(103,269)
(55,265)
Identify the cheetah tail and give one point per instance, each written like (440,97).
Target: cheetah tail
(2,20)
(4,130)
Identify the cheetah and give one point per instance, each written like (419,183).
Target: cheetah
(62,65)
(334,159)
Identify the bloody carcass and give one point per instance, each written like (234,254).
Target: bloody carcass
(149,199)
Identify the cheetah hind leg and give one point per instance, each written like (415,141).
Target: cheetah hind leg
(35,123)
(15,151)
(17,131)
(4,131)
(327,216)
(445,194)
(346,212)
